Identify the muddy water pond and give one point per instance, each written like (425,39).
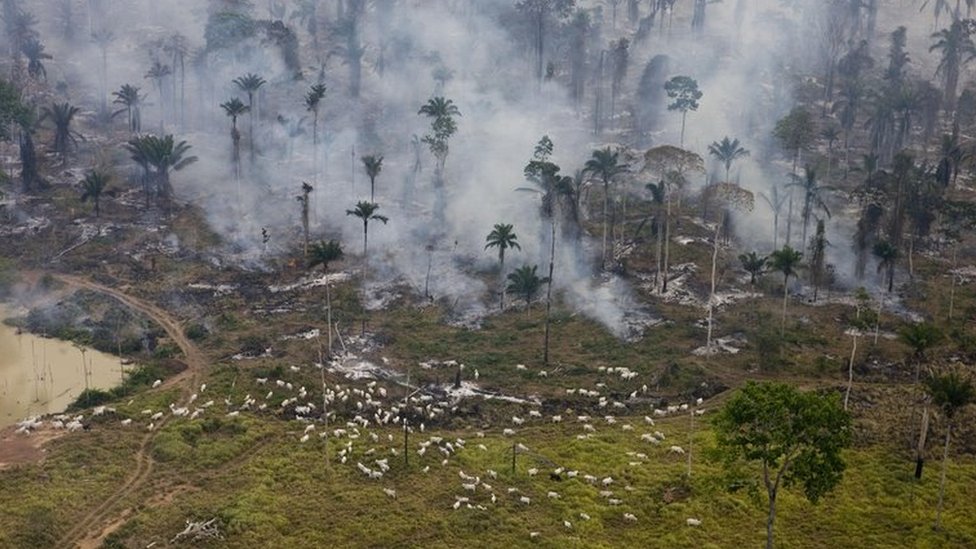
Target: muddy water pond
(41,376)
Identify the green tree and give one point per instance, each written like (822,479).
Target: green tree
(234,109)
(795,437)
(373,165)
(887,255)
(61,115)
(525,282)
(795,133)
(818,258)
(956,48)
(366,211)
(250,83)
(441,112)
(950,392)
(94,185)
(754,264)
(322,254)
(786,261)
(158,73)
(920,337)
(684,94)
(503,237)
(131,100)
(158,156)
(605,166)
(727,151)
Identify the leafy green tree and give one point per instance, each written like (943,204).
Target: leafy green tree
(131,100)
(322,254)
(503,237)
(786,261)
(17,119)
(754,264)
(250,84)
(956,48)
(795,132)
(94,185)
(951,392)
(887,255)
(366,211)
(684,94)
(373,165)
(795,437)
(727,151)
(525,282)
(61,115)
(158,156)
(441,112)
(234,109)
(605,165)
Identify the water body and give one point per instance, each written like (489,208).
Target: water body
(42,376)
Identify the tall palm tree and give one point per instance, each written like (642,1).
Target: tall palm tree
(61,115)
(94,185)
(235,108)
(33,50)
(658,199)
(441,111)
(887,255)
(775,201)
(526,282)
(131,100)
(812,197)
(503,237)
(313,98)
(250,83)
(727,152)
(605,166)
(366,211)
(373,166)
(786,261)
(158,156)
(157,73)
(322,254)
(956,48)
(950,392)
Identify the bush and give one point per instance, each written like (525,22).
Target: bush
(89,398)
(197,331)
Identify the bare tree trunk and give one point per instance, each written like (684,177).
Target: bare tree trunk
(952,288)
(786,295)
(770,519)
(711,296)
(667,245)
(850,372)
(606,197)
(552,260)
(945,462)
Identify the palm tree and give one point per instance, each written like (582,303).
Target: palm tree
(33,49)
(753,264)
(322,254)
(235,108)
(373,166)
(957,49)
(250,83)
(812,197)
(775,201)
(658,199)
(157,73)
(921,337)
(830,134)
(129,97)
(441,111)
(312,100)
(366,211)
(525,282)
(605,166)
(162,155)
(61,115)
(94,185)
(786,261)
(503,237)
(887,255)
(950,392)
(727,152)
